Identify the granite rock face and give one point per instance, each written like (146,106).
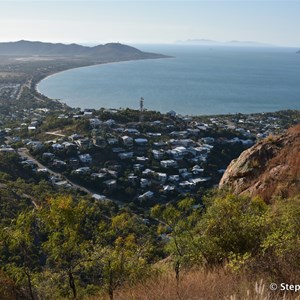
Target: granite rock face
(269,168)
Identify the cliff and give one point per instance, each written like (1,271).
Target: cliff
(269,168)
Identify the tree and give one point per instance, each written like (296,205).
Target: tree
(21,250)
(128,258)
(281,248)
(8,290)
(180,221)
(232,225)
(66,246)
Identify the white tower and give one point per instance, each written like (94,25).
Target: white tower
(141,109)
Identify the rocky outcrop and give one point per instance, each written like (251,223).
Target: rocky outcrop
(269,168)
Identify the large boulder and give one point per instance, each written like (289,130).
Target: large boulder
(269,168)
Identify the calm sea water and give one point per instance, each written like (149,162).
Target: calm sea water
(197,81)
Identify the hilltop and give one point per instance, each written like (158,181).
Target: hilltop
(269,168)
(110,51)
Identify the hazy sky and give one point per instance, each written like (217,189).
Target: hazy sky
(275,22)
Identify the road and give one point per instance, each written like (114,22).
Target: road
(21,90)
(24,153)
(56,133)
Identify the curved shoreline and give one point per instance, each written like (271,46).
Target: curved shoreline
(67,97)
(35,90)
(34,87)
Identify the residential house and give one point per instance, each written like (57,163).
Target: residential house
(111,184)
(158,154)
(147,172)
(73,162)
(100,141)
(208,140)
(7,149)
(58,163)
(127,140)
(57,147)
(75,137)
(84,143)
(95,122)
(172,113)
(35,145)
(174,178)
(132,131)
(145,196)
(88,114)
(162,177)
(133,179)
(144,183)
(69,145)
(169,163)
(168,188)
(197,170)
(138,167)
(110,122)
(141,141)
(142,159)
(112,141)
(85,158)
(82,170)
(125,155)
(100,175)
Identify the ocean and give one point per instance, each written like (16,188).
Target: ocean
(198,80)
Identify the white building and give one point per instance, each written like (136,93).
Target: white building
(85,158)
(168,163)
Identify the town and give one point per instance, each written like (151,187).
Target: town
(133,156)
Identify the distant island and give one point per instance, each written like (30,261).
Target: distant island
(207,42)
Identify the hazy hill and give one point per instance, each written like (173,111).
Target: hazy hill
(107,51)
(269,168)
(206,42)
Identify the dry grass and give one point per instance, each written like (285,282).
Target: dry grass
(198,285)
(295,130)
(281,176)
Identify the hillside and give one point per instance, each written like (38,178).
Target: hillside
(105,52)
(58,243)
(269,168)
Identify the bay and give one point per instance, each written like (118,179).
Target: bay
(197,80)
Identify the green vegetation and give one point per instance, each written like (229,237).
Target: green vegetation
(68,247)
(71,248)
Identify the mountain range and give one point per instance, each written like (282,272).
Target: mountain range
(206,42)
(107,51)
